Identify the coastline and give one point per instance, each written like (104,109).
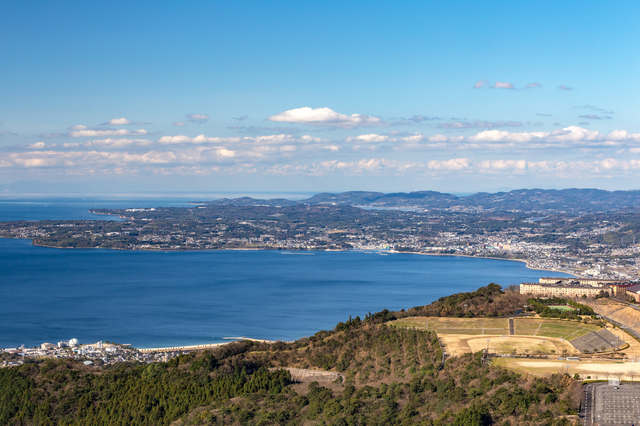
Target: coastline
(203,346)
(525,261)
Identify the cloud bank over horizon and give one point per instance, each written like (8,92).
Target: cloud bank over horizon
(487,154)
(434,96)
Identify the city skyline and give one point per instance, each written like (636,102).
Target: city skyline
(457,97)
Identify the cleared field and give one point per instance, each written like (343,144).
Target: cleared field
(532,336)
(596,370)
(459,344)
(470,326)
(552,328)
(541,327)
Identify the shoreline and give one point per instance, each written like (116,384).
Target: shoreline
(525,261)
(203,346)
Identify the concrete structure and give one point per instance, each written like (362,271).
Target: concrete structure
(594,282)
(48,346)
(560,290)
(633,291)
(577,287)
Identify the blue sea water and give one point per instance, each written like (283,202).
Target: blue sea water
(76,208)
(152,299)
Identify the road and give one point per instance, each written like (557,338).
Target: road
(587,405)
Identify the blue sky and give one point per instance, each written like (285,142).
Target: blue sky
(457,96)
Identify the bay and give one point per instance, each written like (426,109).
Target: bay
(76,208)
(153,299)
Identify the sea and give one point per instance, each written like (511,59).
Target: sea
(161,299)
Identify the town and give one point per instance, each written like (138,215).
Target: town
(99,354)
(587,245)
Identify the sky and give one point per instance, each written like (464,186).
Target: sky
(210,96)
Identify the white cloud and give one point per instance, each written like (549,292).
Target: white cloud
(438,138)
(118,122)
(372,165)
(533,85)
(503,85)
(37,145)
(179,123)
(568,137)
(480,83)
(78,127)
(117,143)
(268,139)
(498,165)
(479,124)
(183,139)
(326,117)
(454,164)
(505,136)
(198,118)
(97,133)
(368,138)
(564,87)
(283,138)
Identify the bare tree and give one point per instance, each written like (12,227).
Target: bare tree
(619,375)
(631,373)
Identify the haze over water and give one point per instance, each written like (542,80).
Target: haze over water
(152,299)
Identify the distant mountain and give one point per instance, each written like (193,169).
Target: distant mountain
(248,201)
(552,199)
(571,200)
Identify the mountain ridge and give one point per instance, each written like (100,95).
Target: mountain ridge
(571,199)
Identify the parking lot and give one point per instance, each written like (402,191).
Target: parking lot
(605,404)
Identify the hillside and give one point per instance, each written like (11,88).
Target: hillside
(392,376)
(543,200)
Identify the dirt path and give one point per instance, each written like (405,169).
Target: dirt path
(597,370)
(538,329)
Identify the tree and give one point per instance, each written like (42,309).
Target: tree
(631,373)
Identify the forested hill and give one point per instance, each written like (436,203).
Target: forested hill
(583,200)
(392,376)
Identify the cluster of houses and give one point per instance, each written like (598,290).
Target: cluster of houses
(581,287)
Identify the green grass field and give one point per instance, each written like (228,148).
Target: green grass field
(492,326)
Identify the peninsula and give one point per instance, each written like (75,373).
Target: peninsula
(581,232)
